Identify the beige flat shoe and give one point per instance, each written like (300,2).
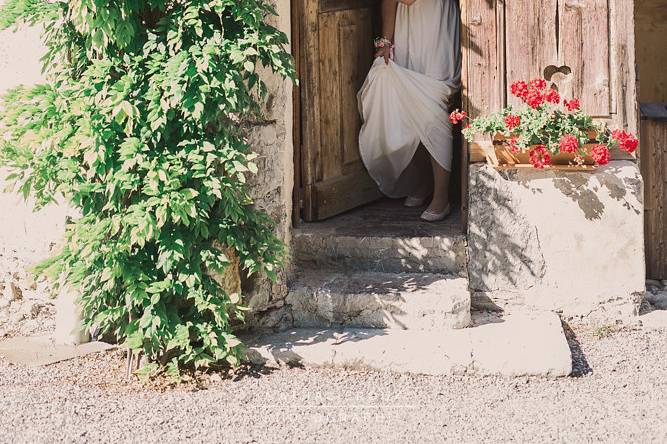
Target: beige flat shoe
(414,202)
(431,216)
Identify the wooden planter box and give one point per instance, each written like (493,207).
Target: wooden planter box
(499,154)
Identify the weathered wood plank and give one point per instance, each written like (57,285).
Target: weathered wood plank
(295,44)
(482,38)
(465,159)
(344,192)
(309,63)
(624,105)
(584,48)
(355,40)
(331,118)
(530,39)
(346,56)
(484,91)
(339,5)
(654,171)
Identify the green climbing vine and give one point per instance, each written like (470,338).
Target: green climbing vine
(140,127)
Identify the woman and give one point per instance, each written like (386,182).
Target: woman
(404,102)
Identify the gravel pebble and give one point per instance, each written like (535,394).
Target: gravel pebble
(619,394)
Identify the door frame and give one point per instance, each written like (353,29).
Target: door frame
(297,41)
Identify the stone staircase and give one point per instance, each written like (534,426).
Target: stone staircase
(380,267)
(378,288)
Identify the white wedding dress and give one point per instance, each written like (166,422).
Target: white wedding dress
(406,102)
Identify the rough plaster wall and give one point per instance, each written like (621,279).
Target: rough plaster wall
(651,50)
(27,237)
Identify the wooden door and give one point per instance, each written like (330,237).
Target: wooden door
(335,53)
(583,47)
(654,171)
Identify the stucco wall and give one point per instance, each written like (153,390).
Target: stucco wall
(650,36)
(27,237)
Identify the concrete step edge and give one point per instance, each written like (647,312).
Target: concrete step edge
(426,301)
(521,345)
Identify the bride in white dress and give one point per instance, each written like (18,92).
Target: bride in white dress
(404,102)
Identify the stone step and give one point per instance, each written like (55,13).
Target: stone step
(383,236)
(443,251)
(419,301)
(531,344)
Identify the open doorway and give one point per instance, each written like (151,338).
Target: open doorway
(332,46)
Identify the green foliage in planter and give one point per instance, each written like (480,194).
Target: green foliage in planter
(142,128)
(537,126)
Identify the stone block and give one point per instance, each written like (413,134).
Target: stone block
(69,329)
(405,301)
(518,345)
(556,240)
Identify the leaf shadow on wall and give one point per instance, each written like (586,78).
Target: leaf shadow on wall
(584,188)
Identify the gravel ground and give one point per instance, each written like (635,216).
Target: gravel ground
(618,395)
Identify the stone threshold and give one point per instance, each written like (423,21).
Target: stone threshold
(521,344)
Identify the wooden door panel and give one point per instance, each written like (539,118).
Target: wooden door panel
(483,69)
(530,39)
(329,159)
(338,57)
(343,67)
(354,67)
(584,48)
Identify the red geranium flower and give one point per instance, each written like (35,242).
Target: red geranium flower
(569,144)
(552,97)
(520,89)
(457,116)
(512,121)
(534,98)
(539,84)
(512,144)
(600,154)
(540,157)
(572,105)
(626,141)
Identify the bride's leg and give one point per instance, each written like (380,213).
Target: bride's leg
(440,188)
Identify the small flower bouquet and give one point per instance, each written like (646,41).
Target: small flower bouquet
(549,131)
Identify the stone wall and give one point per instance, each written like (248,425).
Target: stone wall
(272,188)
(564,241)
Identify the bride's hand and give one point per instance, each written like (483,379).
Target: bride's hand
(384,52)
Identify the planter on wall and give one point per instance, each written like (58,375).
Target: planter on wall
(500,156)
